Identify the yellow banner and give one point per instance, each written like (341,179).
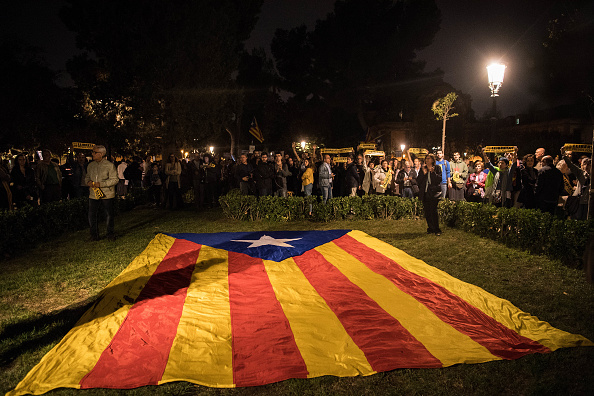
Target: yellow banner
(366,146)
(339,159)
(336,151)
(83,146)
(373,153)
(500,149)
(580,148)
(415,150)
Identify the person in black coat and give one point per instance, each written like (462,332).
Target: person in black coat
(429,182)
(263,175)
(244,175)
(352,177)
(549,185)
(24,189)
(528,174)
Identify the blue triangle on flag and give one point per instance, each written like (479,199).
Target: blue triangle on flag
(267,245)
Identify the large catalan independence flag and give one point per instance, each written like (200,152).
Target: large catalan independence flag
(244,309)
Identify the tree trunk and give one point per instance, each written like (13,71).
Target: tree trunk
(232,149)
(591,200)
(443,136)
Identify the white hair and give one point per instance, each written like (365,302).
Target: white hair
(101,149)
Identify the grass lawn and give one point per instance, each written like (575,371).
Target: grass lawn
(45,291)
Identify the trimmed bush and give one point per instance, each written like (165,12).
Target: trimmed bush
(526,229)
(531,230)
(247,207)
(23,229)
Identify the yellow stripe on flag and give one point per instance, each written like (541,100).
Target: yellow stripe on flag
(441,340)
(201,352)
(325,346)
(69,361)
(499,309)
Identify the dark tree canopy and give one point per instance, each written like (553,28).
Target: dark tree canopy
(362,43)
(34,110)
(171,61)
(567,53)
(362,54)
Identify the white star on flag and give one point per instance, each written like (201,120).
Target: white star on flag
(267,240)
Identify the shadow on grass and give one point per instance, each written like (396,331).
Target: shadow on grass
(403,236)
(146,220)
(59,323)
(34,331)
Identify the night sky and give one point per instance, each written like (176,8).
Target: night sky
(472,34)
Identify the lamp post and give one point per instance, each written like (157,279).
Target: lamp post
(495,72)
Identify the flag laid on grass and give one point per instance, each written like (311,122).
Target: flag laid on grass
(243,309)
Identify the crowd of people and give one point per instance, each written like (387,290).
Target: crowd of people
(536,181)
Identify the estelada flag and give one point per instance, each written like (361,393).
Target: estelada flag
(242,309)
(255,130)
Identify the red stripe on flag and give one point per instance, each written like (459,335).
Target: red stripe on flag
(264,348)
(386,343)
(138,353)
(465,318)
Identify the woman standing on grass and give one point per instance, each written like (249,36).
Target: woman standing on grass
(173,171)
(307,180)
(429,181)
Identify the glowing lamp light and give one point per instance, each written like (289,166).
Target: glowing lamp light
(303,145)
(402,146)
(211,149)
(495,72)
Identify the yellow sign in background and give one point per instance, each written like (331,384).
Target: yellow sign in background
(83,146)
(580,148)
(500,149)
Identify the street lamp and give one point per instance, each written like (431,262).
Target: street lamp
(303,145)
(495,72)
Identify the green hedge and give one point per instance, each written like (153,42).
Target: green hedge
(532,230)
(23,229)
(248,207)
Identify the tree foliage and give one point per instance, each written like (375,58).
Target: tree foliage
(34,110)
(363,52)
(566,56)
(170,61)
(441,109)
